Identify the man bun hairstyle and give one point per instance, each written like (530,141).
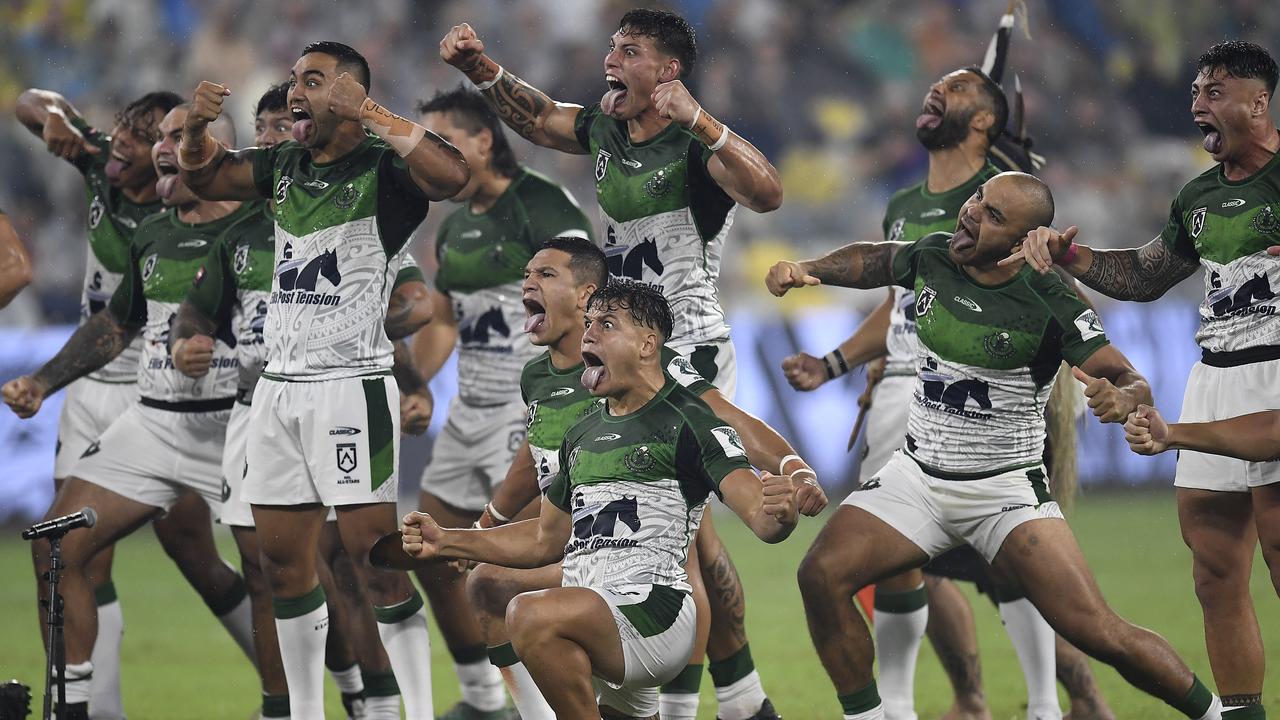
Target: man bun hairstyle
(586,260)
(348,60)
(671,34)
(470,111)
(645,303)
(1243,60)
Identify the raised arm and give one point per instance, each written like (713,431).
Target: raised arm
(211,170)
(48,116)
(15,263)
(1112,385)
(766,504)
(860,265)
(526,544)
(1254,437)
(524,108)
(1142,274)
(806,372)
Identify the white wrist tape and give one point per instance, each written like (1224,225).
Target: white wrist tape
(724,138)
(490,83)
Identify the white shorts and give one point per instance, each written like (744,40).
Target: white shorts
(235,511)
(88,409)
(657,642)
(886,431)
(473,452)
(334,442)
(938,514)
(152,456)
(1215,393)
(716,361)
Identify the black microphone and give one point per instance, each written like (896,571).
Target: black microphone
(61,526)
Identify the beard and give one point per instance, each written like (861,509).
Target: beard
(950,132)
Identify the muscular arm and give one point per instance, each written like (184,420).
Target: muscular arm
(433,345)
(1142,274)
(228,177)
(34,107)
(409,310)
(860,265)
(742,492)
(526,544)
(1109,364)
(868,342)
(94,344)
(15,263)
(520,487)
(529,111)
(189,322)
(746,175)
(1254,437)
(765,447)
(404,370)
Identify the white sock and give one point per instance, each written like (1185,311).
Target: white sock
(403,629)
(481,685)
(525,694)
(302,625)
(898,639)
(678,706)
(740,699)
(105,702)
(348,681)
(1215,710)
(239,624)
(78,682)
(1033,640)
(382,707)
(875,713)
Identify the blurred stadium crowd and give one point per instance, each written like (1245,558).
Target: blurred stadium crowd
(827,89)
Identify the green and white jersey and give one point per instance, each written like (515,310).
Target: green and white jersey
(1226,226)
(340,229)
(636,485)
(482,258)
(986,361)
(111,224)
(167,256)
(913,213)
(665,219)
(233,287)
(557,400)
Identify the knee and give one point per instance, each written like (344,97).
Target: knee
(822,574)
(488,592)
(529,620)
(1218,580)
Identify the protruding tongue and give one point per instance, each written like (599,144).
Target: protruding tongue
(166,185)
(113,169)
(609,102)
(533,321)
(591,376)
(302,129)
(928,120)
(1213,142)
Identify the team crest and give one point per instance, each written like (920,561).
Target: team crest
(96,210)
(149,267)
(346,457)
(282,187)
(346,197)
(1266,222)
(729,441)
(895,231)
(241,262)
(1197,221)
(998,345)
(658,184)
(602,164)
(924,301)
(1089,325)
(638,459)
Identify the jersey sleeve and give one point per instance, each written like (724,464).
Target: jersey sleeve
(683,372)
(128,304)
(1082,333)
(707,451)
(559,491)
(264,170)
(906,263)
(1175,235)
(98,139)
(410,271)
(402,205)
(213,292)
(583,122)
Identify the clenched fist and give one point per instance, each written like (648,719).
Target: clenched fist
(462,48)
(1107,402)
(804,371)
(62,138)
(206,104)
(780,498)
(420,536)
(346,97)
(24,395)
(672,100)
(193,356)
(1146,431)
(786,275)
(415,412)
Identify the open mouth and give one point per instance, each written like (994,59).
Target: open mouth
(303,125)
(931,114)
(169,179)
(117,163)
(595,372)
(535,315)
(616,95)
(964,239)
(1212,137)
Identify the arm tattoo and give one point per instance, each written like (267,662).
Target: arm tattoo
(1142,274)
(860,265)
(190,322)
(94,344)
(404,371)
(518,103)
(724,591)
(399,313)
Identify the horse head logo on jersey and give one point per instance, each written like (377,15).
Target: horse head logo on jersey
(282,188)
(304,274)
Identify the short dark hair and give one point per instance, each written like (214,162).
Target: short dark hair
(275,99)
(645,303)
(586,259)
(995,95)
(671,34)
(162,100)
(470,111)
(347,58)
(1241,59)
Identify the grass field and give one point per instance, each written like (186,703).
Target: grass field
(178,662)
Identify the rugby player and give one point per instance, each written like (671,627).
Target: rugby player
(321,429)
(15,263)
(482,247)
(634,475)
(669,178)
(1223,220)
(170,440)
(991,339)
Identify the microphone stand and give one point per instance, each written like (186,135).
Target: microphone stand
(57,657)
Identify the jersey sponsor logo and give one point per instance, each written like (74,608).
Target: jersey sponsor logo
(729,441)
(193,243)
(658,184)
(1019,506)
(1266,222)
(610,437)
(632,163)
(1197,221)
(298,278)
(347,197)
(476,331)
(317,184)
(469,234)
(602,163)
(561,392)
(871,484)
(93,449)
(895,230)
(241,261)
(1089,325)
(96,210)
(630,262)
(998,345)
(968,303)
(950,395)
(924,301)
(596,528)
(1241,299)
(933,212)
(344,430)
(149,266)
(1233,202)
(345,458)
(282,188)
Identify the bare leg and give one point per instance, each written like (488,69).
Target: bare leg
(1077,678)
(446,587)
(267,648)
(951,631)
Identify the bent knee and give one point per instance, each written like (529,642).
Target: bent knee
(530,617)
(488,591)
(821,573)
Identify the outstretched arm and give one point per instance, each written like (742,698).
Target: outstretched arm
(1142,273)
(94,344)
(806,372)
(860,265)
(1113,387)
(48,116)
(524,108)
(1254,437)
(525,544)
